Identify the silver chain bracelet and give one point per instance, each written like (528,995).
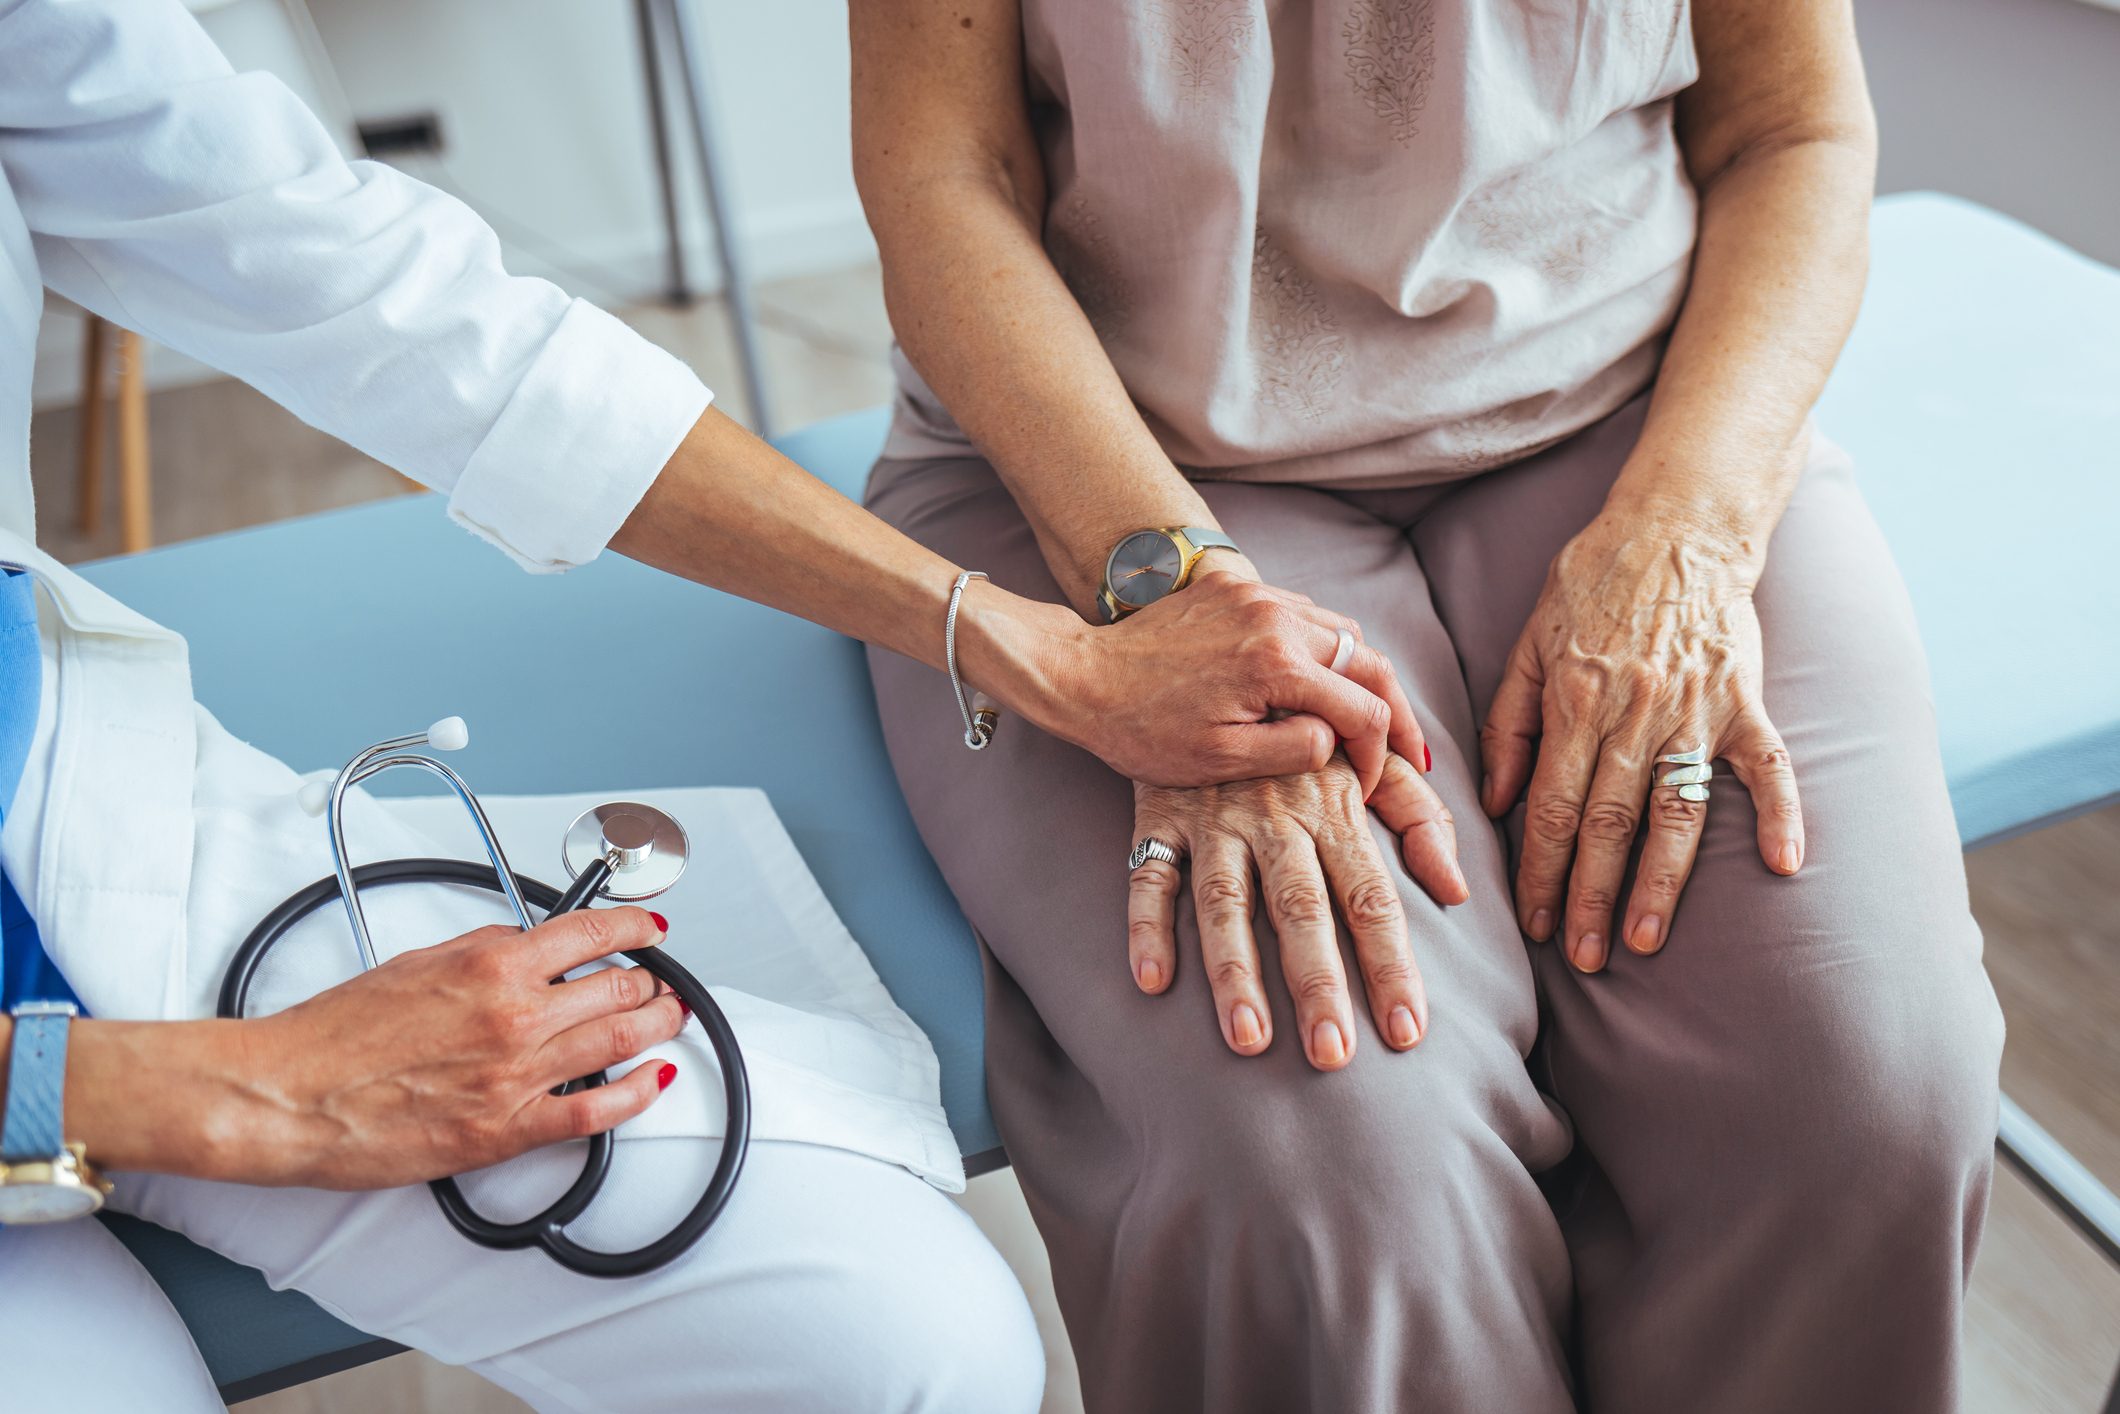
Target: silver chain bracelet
(979,713)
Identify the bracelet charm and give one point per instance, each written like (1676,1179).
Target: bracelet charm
(981,716)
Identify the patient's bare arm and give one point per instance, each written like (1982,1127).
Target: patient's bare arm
(954,185)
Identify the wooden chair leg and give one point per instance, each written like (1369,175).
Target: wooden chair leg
(88,483)
(135,504)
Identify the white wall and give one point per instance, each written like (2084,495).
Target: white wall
(545,124)
(2014,103)
(544,116)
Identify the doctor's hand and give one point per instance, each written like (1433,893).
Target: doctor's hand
(438,1061)
(1302,843)
(1226,680)
(444,1059)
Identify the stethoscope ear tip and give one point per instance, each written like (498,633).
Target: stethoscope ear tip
(315,793)
(449,734)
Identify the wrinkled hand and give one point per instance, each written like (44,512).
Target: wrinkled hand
(444,1059)
(1229,679)
(1644,643)
(1307,837)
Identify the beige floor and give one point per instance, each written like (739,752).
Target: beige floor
(2044,1330)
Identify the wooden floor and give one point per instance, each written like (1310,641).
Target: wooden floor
(2044,1324)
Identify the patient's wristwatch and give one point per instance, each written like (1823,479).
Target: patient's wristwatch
(1149,564)
(43,1179)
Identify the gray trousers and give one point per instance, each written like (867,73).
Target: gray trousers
(1746,1174)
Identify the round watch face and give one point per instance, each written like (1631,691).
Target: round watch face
(1144,568)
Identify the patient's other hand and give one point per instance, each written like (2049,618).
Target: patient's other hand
(1303,841)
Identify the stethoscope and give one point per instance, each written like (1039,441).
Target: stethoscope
(621,850)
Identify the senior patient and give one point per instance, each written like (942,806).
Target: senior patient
(1497,328)
(141,841)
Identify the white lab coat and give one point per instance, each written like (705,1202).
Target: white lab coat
(208,210)
(143,179)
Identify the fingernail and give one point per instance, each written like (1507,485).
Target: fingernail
(664,1076)
(683,1007)
(1403,1031)
(1646,933)
(1151,974)
(1542,924)
(1427,759)
(1791,856)
(1244,1024)
(1326,1043)
(1590,952)
(660,922)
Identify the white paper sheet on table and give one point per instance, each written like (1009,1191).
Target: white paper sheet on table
(832,1059)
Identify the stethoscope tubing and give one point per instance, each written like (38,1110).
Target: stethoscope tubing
(545,1230)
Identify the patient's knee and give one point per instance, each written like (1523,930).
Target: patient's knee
(1896,1090)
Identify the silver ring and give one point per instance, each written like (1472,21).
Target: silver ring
(1689,772)
(1146,848)
(1343,651)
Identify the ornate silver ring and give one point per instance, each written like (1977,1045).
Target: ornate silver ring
(1689,772)
(1147,848)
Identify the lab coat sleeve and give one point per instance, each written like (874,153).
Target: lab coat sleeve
(212,212)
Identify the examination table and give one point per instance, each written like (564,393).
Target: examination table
(1980,397)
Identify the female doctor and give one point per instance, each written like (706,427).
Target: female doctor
(144,180)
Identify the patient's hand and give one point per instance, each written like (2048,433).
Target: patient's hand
(1307,837)
(438,1061)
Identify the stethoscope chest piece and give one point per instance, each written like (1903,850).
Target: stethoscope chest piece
(645,848)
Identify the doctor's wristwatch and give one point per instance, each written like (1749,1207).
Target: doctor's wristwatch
(43,1179)
(1150,564)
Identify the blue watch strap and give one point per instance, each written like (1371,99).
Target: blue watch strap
(34,1128)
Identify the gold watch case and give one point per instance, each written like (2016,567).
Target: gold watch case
(1186,553)
(54,1190)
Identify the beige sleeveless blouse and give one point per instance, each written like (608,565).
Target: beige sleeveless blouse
(1360,242)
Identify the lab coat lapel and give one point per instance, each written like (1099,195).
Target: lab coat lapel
(114,837)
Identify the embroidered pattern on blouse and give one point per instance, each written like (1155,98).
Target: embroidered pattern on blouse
(1206,37)
(1391,59)
(1298,351)
(1541,222)
(1075,241)
(1484,440)
(1645,34)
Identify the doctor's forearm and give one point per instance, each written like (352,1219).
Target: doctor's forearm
(162,1096)
(731,512)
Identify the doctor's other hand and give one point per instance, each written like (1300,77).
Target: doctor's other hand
(1300,843)
(1227,680)
(439,1061)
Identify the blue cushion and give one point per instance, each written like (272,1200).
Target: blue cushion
(1980,396)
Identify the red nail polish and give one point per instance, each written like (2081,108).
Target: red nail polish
(660,921)
(664,1076)
(1427,759)
(684,1008)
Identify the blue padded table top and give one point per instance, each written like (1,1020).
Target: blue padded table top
(1980,395)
